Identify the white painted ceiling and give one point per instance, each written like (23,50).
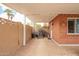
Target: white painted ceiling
(44,12)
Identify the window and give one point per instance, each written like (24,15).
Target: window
(73,25)
(77,26)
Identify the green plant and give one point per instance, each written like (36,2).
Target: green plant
(37,26)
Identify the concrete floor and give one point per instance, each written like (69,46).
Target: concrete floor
(45,47)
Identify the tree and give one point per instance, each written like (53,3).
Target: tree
(9,13)
(11,16)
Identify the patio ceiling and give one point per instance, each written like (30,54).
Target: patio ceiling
(44,12)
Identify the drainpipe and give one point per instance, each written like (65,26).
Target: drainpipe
(24,32)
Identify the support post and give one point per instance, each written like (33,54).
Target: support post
(24,32)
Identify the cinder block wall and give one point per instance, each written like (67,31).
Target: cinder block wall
(20,33)
(11,36)
(28,33)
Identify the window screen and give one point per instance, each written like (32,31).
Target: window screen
(77,26)
(71,26)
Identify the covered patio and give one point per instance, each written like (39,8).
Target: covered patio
(45,47)
(37,13)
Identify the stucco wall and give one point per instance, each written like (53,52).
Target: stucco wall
(60,31)
(54,28)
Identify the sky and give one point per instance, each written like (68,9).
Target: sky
(18,16)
